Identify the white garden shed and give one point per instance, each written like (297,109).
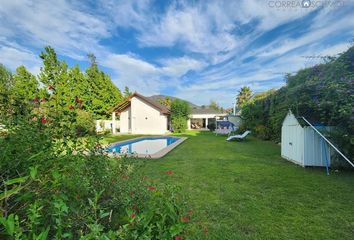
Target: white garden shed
(301,144)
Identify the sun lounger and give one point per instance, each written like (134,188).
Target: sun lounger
(238,137)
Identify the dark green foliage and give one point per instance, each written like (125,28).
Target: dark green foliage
(180,111)
(85,123)
(56,181)
(93,90)
(57,186)
(101,94)
(161,220)
(323,94)
(179,124)
(6,82)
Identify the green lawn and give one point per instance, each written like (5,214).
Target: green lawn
(245,190)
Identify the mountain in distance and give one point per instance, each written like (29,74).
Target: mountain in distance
(158,98)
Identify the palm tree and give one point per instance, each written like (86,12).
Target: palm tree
(244,95)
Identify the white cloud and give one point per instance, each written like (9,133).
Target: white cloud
(146,77)
(13,57)
(191,27)
(70,31)
(334,50)
(208,35)
(177,67)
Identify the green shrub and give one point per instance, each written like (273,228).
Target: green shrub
(84,123)
(262,132)
(58,186)
(180,111)
(315,93)
(179,124)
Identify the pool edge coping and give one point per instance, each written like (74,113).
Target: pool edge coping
(156,155)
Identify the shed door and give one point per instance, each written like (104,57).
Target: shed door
(295,150)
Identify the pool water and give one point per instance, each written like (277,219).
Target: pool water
(142,145)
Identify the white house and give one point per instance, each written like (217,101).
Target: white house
(301,144)
(140,115)
(200,117)
(143,115)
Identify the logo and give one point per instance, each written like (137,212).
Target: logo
(306,3)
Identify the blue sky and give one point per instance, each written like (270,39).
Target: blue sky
(196,50)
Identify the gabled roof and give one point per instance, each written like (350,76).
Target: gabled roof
(124,105)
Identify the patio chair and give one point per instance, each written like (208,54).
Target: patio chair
(225,131)
(239,136)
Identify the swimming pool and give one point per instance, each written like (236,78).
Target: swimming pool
(146,146)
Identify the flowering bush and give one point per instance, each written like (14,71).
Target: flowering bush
(58,186)
(163,216)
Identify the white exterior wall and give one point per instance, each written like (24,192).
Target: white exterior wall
(124,120)
(145,119)
(303,145)
(236,120)
(313,154)
(292,140)
(103,125)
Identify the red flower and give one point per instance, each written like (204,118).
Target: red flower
(185,219)
(169,172)
(71,107)
(178,238)
(151,188)
(50,87)
(43,120)
(133,215)
(36,100)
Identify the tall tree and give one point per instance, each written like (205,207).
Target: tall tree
(25,89)
(26,86)
(127,92)
(243,97)
(6,82)
(54,71)
(104,94)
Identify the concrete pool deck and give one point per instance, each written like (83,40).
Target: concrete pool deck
(156,155)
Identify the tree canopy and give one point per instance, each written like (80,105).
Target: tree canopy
(180,111)
(244,95)
(323,94)
(93,89)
